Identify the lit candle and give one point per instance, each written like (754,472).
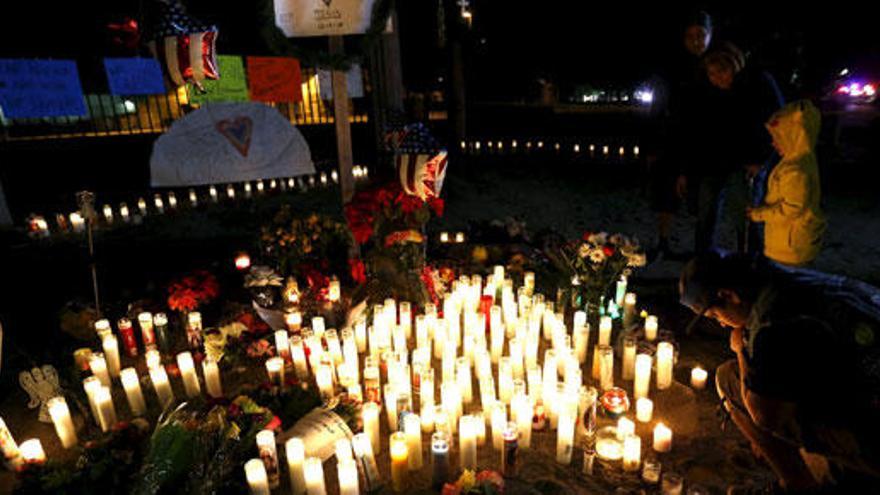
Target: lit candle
(644,409)
(296,456)
(399,461)
(194,329)
(212,378)
(230,191)
(314,475)
(565,429)
(213,193)
(643,376)
(605,331)
(467,443)
(629,358)
(160,205)
(60,414)
(608,447)
(99,368)
(275,370)
(665,353)
(188,374)
(629,309)
(444,237)
(348,477)
(360,335)
(662,438)
(106,411)
(91,385)
(464,379)
(412,426)
(142,206)
(108,213)
(524,414)
(363,452)
(334,291)
(32,451)
(324,380)
(698,378)
(459,237)
(111,354)
(247,189)
(632,453)
(606,366)
(581,337)
(269,455)
(651,328)
(11,452)
(370,413)
(145,322)
(162,386)
(257,479)
(172,200)
(126,331)
(282,345)
(193,198)
(77,222)
(102,328)
(625,427)
(299,358)
(318,326)
(160,327)
(132,385)
(439,458)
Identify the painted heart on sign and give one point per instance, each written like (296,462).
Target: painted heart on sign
(238,132)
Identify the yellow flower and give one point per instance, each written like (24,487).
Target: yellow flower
(467,480)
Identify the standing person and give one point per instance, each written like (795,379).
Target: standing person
(804,388)
(733,145)
(793,219)
(677,88)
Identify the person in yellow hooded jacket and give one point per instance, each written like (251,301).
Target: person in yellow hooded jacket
(793,220)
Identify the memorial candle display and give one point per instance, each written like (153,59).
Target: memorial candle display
(257,479)
(665,354)
(269,455)
(662,438)
(642,377)
(162,386)
(212,378)
(399,462)
(188,374)
(60,414)
(111,354)
(132,385)
(296,455)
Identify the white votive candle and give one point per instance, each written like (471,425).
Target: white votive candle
(698,378)
(91,385)
(348,477)
(60,414)
(32,451)
(212,378)
(643,376)
(275,370)
(296,456)
(314,475)
(467,441)
(665,353)
(632,453)
(370,413)
(132,385)
(651,326)
(605,330)
(188,374)
(625,427)
(662,438)
(162,386)
(106,411)
(412,427)
(111,354)
(644,409)
(257,479)
(629,309)
(98,365)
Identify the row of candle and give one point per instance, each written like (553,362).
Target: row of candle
(476,146)
(40,227)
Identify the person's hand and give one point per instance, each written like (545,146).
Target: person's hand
(752,170)
(681,186)
(736,340)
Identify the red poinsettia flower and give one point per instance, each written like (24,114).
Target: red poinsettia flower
(358,271)
(608,250)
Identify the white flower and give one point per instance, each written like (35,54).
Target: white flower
(597,256)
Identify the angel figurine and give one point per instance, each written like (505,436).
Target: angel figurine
(41,384)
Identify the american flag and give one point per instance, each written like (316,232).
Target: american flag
(184,46)
(410,138)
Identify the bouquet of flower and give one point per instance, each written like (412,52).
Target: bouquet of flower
(188,293)
(597,261)
(293,242)
(239,340)
(483,483)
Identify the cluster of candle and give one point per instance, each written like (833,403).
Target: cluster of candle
(494,385)
(452,238)
(513,146)
(75,222)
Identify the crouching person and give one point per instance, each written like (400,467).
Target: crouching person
(804,388)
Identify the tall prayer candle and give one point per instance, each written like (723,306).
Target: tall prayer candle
(106,411)
(439,458)
(318,326)
(499,423)
(467,441)
(145,321)
(651,328)
(132,385)
(188,374)
(629,310)
(644,410)
(160,328)
(605,330)
(126,331)
(32,451)
(161,385)
(629,358)
(269,455)
(348,477)
(99,368)
(102,328)
(370,413)
(698,378)
(620,290)
(91,385)
(524,415)
(314,475)
(643,376)
(606,366)
(111,354)
(10,449)
(412,427)
(665,353)
(212,378)
(275,370)
(257,479)
(363,452)
(299,358)
(282,345)
(399,461)
(60,414)
(464,380)
(662,438)
(632,453)
(324,379)
(194,330)
(565,429)
(296,455)
(581,337)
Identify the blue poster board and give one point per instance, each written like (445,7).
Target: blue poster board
(134,76)
(40,88)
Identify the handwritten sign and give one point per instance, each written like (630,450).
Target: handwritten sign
(134,76)
(299,18)
(40,88)
(274,79)
(232,85)
(354,81)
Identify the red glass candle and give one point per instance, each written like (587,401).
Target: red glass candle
(126,331)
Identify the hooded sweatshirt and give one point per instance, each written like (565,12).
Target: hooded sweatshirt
(794,220)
